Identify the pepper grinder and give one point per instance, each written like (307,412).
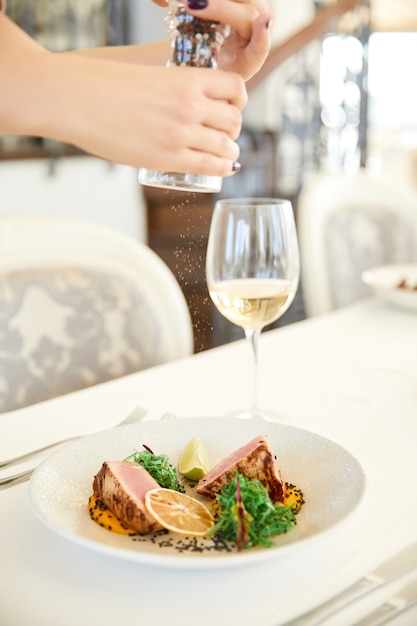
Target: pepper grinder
(195,43)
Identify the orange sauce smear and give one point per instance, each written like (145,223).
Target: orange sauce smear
(100,514)
(293,497)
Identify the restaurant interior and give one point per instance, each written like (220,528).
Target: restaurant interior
(110,338)
(334,97)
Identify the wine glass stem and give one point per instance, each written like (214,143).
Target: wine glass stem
(252,336)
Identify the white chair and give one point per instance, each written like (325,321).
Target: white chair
(81,304)
(347,224)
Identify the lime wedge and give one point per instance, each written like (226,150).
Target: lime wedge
(193,462)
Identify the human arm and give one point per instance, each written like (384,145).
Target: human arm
(155,117)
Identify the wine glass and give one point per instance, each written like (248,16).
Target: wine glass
(252,268)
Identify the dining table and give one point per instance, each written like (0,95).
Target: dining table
(348,376)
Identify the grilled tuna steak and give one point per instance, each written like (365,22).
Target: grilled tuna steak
(121,486)
(253,460)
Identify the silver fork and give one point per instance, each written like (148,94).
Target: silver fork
(135,416)
(402,604)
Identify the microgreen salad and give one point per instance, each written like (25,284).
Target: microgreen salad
(159,467)
(247,516)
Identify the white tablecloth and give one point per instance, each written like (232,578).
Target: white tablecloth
(350,376)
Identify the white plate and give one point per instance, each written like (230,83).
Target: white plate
(332,481)
(384,281)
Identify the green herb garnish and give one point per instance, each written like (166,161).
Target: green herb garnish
(247,515)
(159,467)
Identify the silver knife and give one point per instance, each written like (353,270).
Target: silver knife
(393,570)
(401,604)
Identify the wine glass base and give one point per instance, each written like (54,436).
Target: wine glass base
(259,414)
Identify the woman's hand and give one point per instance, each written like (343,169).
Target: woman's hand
(244,51)
(109,104)
(165,118)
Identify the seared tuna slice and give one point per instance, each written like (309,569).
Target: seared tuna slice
(121,486)
(253,460)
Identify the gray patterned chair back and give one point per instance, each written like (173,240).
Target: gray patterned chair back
(348,224)
(71,318)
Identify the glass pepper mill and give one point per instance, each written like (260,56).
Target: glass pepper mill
(194,43)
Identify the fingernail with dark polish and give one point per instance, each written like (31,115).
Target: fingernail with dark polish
(236,166)
(195,5)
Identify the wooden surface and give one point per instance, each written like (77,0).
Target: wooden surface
(178,226)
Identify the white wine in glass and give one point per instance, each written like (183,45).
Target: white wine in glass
(253,268)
